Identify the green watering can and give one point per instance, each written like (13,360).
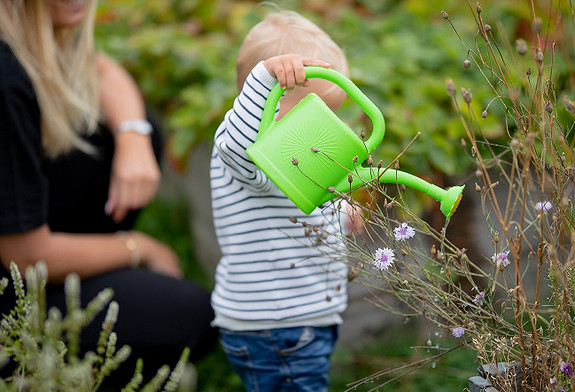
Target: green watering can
(310,152)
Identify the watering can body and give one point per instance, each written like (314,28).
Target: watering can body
(311,152)
(306,152)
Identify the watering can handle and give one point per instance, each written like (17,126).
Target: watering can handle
(348,86)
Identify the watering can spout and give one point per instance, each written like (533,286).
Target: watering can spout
(448,198)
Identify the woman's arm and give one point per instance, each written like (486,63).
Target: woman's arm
(135,173)
(85,254)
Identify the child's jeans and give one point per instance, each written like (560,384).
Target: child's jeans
(286,359)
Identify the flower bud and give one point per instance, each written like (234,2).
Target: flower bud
(466,63)
(445,15)
(484,114)
(450,87)
(466,94)
(294,161)
(521,46)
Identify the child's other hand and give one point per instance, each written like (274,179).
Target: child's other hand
(289,70)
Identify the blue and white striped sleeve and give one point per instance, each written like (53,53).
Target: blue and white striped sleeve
(240,127)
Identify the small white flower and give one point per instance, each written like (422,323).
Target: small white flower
(403,232)
(500,259)
(383,258)
(544,206)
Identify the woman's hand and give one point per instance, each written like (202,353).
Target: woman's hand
(135,176)
(157,256)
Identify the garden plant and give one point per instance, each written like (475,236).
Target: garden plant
(512,304)
(40,346)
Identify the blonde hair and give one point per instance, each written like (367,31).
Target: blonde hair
(286,32)
(62,68)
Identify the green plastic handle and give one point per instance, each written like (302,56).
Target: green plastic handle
(348,86)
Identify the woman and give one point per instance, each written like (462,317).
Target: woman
(71,187)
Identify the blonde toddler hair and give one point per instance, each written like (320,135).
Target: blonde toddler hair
(287,32)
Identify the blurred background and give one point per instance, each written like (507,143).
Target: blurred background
(401,52)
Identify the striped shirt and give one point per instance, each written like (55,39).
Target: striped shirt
(271,274)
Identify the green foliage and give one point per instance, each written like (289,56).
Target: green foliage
(44,346)
(183,56)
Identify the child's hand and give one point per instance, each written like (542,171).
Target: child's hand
(289,70)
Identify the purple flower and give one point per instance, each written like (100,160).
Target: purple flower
(544,206)
(383,258)
(566,368)
(478,300)
(553,382)
(457,332)
(500,259)
(403,232)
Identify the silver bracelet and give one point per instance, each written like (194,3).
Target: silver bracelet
(143,127)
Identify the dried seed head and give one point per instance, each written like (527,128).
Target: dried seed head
(514,144)
(369,161)
(294,161)
(539,56)
(496,238)
(445,15)
(352,274)
(331,189)
(292,265)
(355,159)
(466,94)
(328,298)
(396,165)
(484,114)
(315,149)
(536,25)
(478,173)
(466,63)
(450,87)
(528,72)
(293,219)
(362,134)
(487,27)
(472,151)
(350,178)
(477,188)
(478,7)
(521,46)
(549,108)
(569,105)
(379,164)
(433,251)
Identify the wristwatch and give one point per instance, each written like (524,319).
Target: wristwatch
(140,126)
